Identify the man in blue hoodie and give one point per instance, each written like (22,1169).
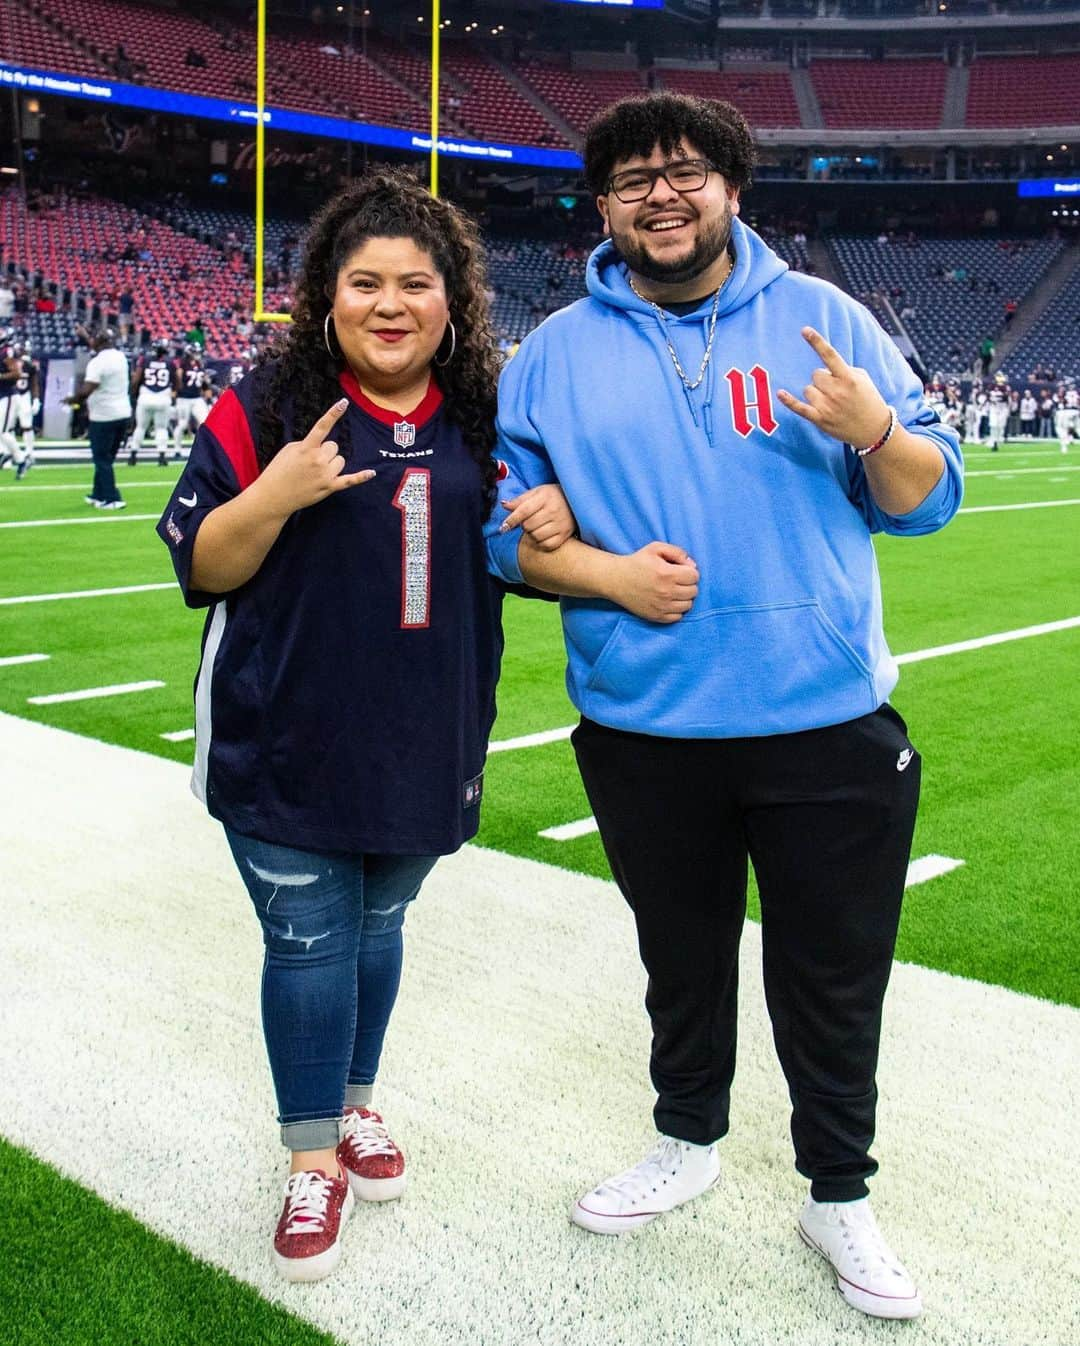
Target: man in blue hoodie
(722,616)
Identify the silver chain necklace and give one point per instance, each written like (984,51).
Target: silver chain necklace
(667,338)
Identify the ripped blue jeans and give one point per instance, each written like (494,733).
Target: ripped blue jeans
(332,934)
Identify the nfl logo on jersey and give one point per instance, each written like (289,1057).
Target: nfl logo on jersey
(404,434)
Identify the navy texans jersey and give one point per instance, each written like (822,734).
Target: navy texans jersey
(157,375)
(26,375)
(347,690)
(193,378)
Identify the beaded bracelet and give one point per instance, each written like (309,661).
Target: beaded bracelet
(873,448)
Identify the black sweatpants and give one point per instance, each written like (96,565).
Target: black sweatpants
(826,817)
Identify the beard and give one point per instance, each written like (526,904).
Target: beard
(712,240)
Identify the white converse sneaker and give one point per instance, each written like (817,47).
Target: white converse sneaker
(868,1273)
(674,1172)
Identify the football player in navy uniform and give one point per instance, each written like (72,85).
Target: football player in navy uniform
(10,449)
(156,381)
(25,402)
(330,518)
(191,403)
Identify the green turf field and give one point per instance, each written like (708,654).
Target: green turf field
(996,725)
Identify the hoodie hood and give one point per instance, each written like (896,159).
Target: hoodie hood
(756,266)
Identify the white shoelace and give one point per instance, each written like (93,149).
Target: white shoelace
(367,1136)
(866,1244)
(654,1172)
(307,1195)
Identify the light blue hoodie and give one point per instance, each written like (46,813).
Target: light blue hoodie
(786,631)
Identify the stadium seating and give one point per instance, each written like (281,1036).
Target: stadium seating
(68,245)
(578,95)
(897,93)
(1024,91)
(35,39)
(951,316)
(1053,339)
(476,96)
(532,279)
(154,44)
(764,97)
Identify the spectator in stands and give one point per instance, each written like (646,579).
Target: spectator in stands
(1029,409)
(693,744)
(195,59)
(1010,310)
(43,303)
(196,335)
(7,302)
(345,774)
(104,391)
(1046,415)
(126,312)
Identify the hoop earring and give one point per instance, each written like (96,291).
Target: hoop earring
(326,337)
(453,345)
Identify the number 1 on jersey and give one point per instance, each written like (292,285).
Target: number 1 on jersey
(413,498)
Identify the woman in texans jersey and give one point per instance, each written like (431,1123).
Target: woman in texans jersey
(330,516)
(156,382)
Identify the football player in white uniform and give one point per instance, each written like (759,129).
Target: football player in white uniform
(155,380)
(1066,414)
(999,412)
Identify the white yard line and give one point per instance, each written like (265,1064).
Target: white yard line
(117,516)
(531,740)
(570,831)
(1027,504)
(1014,471)
(81,490)
(92,693)
(929,867)
(179,735)
(12,659)
(981,642)
(86,593)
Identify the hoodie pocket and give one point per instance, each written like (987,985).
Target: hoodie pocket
(765,669)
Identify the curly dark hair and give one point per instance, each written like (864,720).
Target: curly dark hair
(637,125)
(387,203)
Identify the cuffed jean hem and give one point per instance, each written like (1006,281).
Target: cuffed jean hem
(359,1095)
(321,1134)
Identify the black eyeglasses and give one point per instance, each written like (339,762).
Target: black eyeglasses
(682,175)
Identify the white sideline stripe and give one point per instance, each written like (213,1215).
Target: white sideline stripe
(116,516)
(531,740)
(91,693)
(960,1061)
(570,831)
(929,867)
(915,657)
(12,659)
(86,593)
(961,646)
(1029,504)
(924,869)
(128,486)
(1005,472)
(179,735)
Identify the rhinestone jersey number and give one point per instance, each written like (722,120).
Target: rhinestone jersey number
(413,498)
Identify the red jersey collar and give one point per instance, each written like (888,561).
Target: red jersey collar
(420,415)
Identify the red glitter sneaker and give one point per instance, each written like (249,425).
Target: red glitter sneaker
(374,1164)
(307,1242)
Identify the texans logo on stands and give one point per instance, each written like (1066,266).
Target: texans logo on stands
(404,434)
